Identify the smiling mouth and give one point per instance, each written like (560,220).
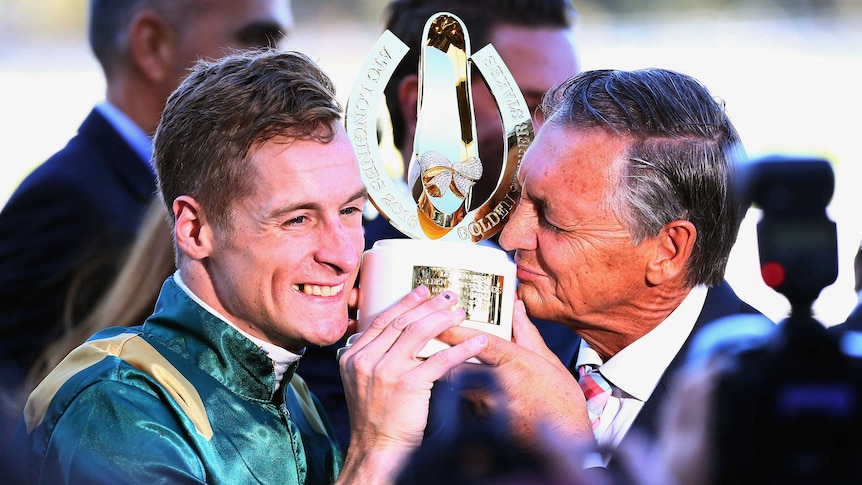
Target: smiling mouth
(318,290)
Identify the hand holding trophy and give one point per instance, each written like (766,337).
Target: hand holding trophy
(436,211)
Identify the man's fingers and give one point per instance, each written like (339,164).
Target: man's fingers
(496,352)
(353,298)
(417,335)
(499,351)
(415,298)
(439,364)
(410,328)
(525,334)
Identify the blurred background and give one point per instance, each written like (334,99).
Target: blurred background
(788,71)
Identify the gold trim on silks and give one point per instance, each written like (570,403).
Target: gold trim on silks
(445,148)
(136,351)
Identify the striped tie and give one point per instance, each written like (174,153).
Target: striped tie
(597,391)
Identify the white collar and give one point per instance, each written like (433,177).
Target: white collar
(281,357)
(140,142)
(637,368)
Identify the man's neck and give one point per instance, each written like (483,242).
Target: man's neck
(621,328)
(137,103)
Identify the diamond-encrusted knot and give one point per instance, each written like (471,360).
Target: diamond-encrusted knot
(439,174)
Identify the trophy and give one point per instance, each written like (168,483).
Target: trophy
(434,211)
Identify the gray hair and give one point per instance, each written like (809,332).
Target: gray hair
(679,160)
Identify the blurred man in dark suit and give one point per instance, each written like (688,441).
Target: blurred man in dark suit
(62,230)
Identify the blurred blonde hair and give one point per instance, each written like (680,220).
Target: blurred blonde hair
(130,298)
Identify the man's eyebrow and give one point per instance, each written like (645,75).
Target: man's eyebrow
(281,211)
(359,194)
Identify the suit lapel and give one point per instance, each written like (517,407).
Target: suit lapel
(132,172)
(721,301)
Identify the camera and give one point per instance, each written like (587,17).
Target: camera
(788,406)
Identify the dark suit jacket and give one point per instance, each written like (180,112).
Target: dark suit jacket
(69,218)
(721,301)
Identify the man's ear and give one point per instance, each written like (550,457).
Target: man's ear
(153,45)
(193,233)
(673,248)
(408,99)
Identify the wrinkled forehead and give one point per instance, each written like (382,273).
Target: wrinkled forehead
(563,151)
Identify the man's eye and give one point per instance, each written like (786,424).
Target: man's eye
(351,210)
(551,226)
(296,220)
(544,221)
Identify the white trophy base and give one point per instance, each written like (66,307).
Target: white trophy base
(482,276)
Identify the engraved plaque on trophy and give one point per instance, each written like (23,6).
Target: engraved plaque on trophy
(435,210)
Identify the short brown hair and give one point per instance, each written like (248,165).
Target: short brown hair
(226,106)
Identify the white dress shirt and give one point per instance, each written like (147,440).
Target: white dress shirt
(132,134)
(635,370)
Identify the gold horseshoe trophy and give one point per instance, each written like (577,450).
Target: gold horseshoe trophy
(435,212)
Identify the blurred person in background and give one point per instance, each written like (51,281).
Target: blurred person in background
(130,298)
(854,319)
(535,40)
(65,227)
